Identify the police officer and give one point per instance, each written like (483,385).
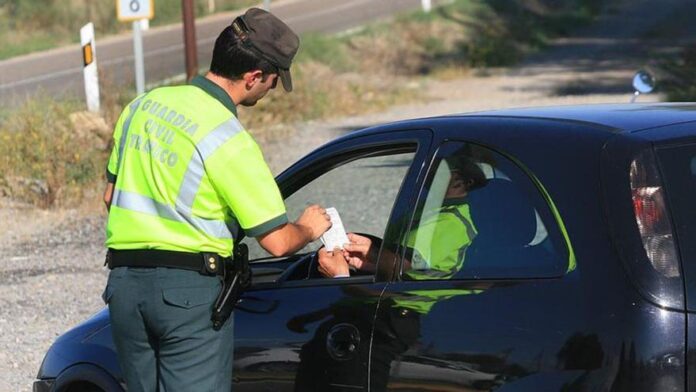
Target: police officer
(184,180)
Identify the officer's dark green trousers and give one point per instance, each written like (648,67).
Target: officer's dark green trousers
(160,321)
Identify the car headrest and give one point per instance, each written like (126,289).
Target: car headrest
(502,211)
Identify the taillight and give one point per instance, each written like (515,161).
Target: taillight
(654,223)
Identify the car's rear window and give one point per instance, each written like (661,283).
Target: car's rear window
(678,167)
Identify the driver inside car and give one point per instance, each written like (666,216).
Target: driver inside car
(436,248)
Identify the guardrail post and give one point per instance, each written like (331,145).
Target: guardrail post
(89,59)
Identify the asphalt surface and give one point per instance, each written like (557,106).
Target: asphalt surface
(58,73)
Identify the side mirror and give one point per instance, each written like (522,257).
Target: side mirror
(643,83)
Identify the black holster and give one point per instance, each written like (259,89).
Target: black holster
(236,279)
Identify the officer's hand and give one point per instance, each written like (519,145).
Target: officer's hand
(315,220)
(332,264)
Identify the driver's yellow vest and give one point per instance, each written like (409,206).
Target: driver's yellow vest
(187,175)
(440,253)
(440,256)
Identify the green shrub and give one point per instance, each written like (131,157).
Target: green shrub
(679,76)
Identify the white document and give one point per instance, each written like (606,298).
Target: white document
(336,236)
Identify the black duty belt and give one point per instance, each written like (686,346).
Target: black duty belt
(205,263)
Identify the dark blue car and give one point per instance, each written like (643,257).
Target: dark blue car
(577,273)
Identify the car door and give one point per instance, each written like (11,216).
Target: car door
(294,329)
(483,266)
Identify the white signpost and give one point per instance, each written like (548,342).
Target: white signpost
(427,6)
(135,11)
(89,57)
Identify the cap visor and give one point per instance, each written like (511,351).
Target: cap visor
(286,79)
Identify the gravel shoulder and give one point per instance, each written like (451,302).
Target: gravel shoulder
(51,262)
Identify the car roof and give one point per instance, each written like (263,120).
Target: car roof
(620,117)
(602,119)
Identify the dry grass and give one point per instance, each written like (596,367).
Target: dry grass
(47,159)
(52,154)
(320,92)
(44,159)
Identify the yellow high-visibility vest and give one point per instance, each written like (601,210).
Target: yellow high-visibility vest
(187,174)
(439,251)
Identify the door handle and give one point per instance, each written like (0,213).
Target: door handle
(343,341)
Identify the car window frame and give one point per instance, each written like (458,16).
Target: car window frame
(343,151)
(562,240)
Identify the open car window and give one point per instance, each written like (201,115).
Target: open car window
(362,187)
(362,191)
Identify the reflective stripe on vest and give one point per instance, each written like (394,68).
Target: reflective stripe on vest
(469,227)
(143,204)
(469,232)
(204,148)
(182,210)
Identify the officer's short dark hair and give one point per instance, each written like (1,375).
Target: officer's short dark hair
(231,59)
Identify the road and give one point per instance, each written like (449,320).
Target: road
(58,73)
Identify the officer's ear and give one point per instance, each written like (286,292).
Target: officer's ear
(252,77)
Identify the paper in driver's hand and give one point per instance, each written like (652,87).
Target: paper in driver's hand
(336,236)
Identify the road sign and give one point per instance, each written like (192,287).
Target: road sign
(129,10)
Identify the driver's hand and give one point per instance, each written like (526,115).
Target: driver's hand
(357,252)
(332,264)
